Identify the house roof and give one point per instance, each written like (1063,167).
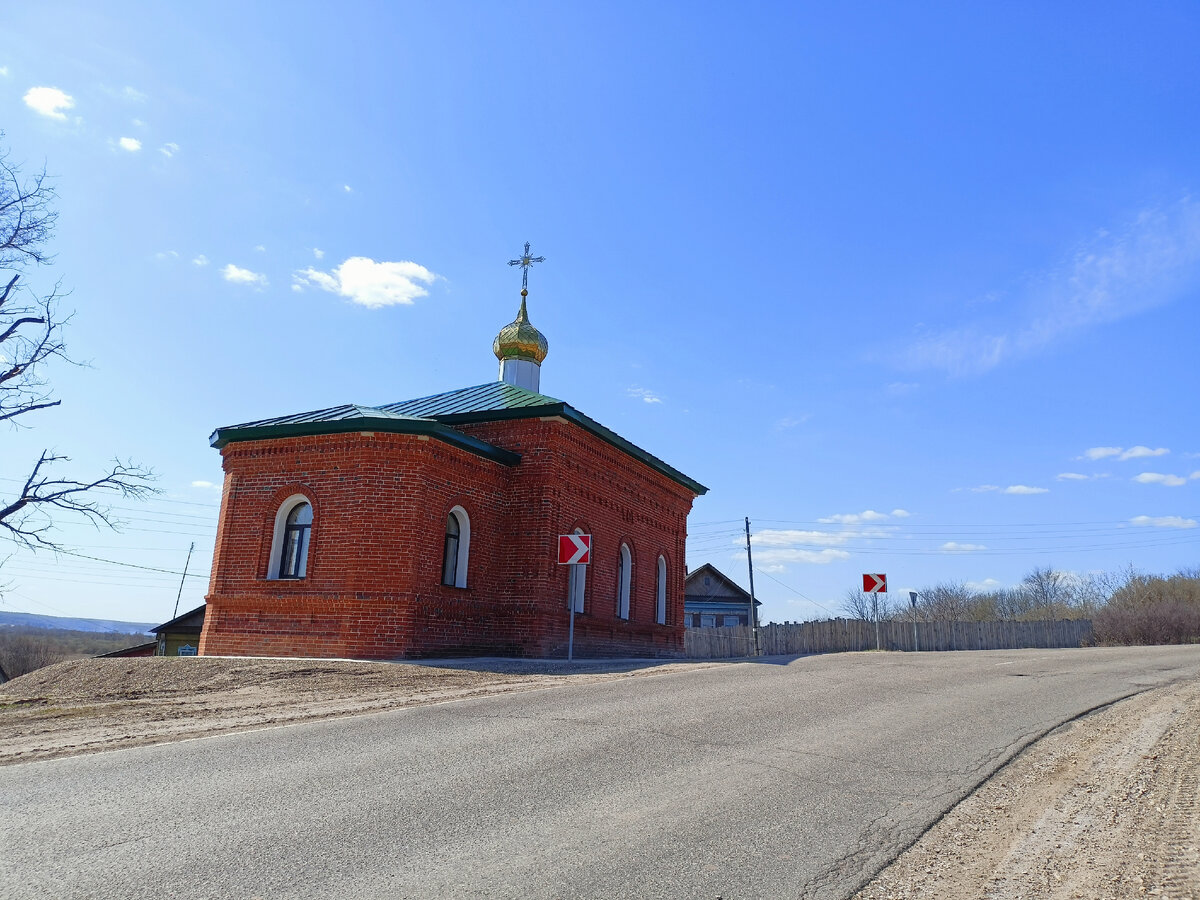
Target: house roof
(192,618)
(695,591)
(437,415)
(352,417)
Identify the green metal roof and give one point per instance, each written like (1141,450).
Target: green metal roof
(495,396)
(499,400)
(436,415)
(351,417)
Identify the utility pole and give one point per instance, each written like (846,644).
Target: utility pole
(753,606)
(181,579)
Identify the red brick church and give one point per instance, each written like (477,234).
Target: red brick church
(429,527)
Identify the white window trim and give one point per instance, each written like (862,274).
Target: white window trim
(277,536)
(660,593)
(464,545)
(624,582)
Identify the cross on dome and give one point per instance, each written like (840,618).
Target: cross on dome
(525,261)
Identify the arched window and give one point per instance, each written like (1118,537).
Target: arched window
(293,532)
(660,593)
(457,548)
(576,584)
(624,572)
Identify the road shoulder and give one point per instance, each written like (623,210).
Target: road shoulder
(1103,807)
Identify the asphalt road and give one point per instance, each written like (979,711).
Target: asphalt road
(776,779)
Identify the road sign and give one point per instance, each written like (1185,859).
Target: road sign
(874,584)
(574,549)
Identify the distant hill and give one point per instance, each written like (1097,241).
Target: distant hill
(71,624)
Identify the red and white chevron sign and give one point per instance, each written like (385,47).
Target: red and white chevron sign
(874,584)
(574,549)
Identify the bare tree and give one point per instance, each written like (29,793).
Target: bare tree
(21,654)
(949,601)
(31,337)
(859,605)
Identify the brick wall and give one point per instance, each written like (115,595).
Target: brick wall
(372,588)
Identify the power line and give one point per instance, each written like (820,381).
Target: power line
(115,562)
(794,591)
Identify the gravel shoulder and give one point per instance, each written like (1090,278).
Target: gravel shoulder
(88,705)
(1102,807)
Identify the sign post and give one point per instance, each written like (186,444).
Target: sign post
(573,550)
(912,598)
(875,585)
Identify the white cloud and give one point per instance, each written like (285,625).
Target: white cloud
(259,248)
(1139,452)
(791,421)
(1159,478)
(988,584)
(787,537)
(49,101)
(133,145)
(985,488)
(347,189)
(200,260)
(1163,521)
(243,276)
(1072,476)
(1025,489)
(900,514)
(867,515)
(955,547)
(167,254)
(133,94)
(369,283)
(169,149)
(812,557)
(3,71)
(1094,453)
(1152,260)
(206,485)
(318,253)
(646,396)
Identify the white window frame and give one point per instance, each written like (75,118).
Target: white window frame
(725,623)
(708,621)
(464,546)
(660,593)
(276,557)
(624,581)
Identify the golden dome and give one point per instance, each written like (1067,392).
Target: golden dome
(520,340)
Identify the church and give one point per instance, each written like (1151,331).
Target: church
(430,527)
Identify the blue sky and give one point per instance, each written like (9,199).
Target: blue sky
(914,287)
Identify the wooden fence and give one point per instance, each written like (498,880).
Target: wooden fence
(840,635)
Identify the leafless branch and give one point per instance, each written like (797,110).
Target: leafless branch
(27,214)
(27,518)
(30,337)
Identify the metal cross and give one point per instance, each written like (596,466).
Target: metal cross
(525,262)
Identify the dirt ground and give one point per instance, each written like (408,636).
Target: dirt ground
(104,704)
(1103,807)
